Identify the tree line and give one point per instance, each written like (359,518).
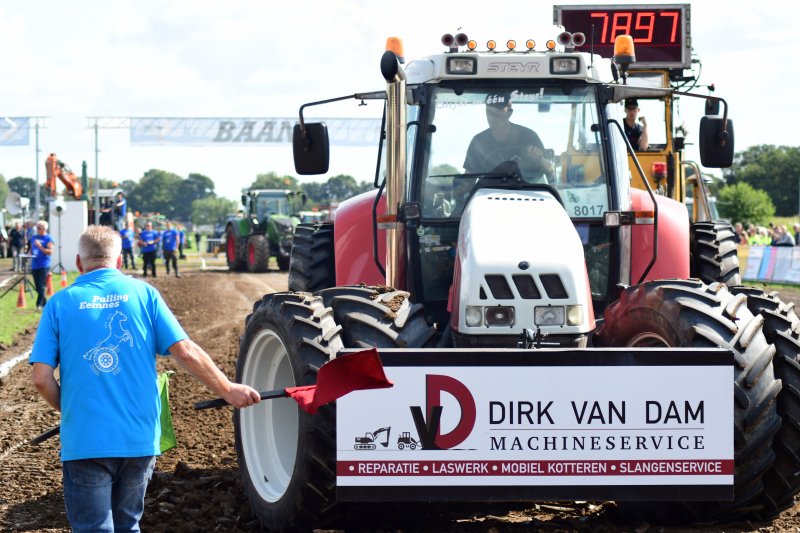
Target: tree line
(193,199)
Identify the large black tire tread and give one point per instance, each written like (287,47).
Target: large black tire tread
(311,337)
(692,314)
(782,329)
(367,322)
(312,266)
(239,261)
(260,259)
(714,256)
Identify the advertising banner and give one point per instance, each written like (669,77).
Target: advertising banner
(466,425)
(754,257)
(246,131)
(782,264)
(15,131)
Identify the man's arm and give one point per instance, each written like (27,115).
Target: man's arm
(643,141)
(45,382)
(198,363)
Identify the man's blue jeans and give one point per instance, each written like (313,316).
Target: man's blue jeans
(106,495)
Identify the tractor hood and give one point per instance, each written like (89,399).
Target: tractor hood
(519,261)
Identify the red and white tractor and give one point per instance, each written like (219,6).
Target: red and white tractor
(505,228)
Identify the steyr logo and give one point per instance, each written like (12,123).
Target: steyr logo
(428,431)
(516,67)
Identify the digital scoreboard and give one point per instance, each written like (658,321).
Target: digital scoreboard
(661,32)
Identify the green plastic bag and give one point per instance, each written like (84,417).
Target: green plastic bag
(168,440)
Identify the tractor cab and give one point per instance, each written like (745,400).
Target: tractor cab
(261,205)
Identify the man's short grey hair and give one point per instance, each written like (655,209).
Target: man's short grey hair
(99,245)
(44,224)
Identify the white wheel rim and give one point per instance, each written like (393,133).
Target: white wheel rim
(269,429)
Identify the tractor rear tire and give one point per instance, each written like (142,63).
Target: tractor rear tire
(676,313)
(782,329)
(378,316)
(287,458)
(257,253)
(233,250)
(312,261)
(713,249)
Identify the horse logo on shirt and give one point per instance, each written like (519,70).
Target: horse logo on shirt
(104,356)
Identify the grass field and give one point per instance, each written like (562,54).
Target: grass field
(13,320)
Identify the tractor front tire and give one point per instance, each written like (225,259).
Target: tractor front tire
(782,329)
(287,458)
(378,316)
(312,261)
(257,253)
(714,256)
(677,313)
(233,250)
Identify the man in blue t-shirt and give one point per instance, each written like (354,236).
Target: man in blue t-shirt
(41,249)
(128,236)
(104,332)
(148,240)
(182,235)
(169,242)
(120,209)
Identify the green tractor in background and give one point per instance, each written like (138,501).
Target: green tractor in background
(266,229)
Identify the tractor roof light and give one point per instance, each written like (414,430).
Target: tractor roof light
(472,45)
(623,50)
(462,39)
(511,44)
(551,45)
(531,44)
(491,45)
(395,44)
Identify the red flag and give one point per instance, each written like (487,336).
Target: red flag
(345,374)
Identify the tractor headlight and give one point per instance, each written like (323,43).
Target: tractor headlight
(552,315)
(499,316)
(474,317)
(574,315)
(564,65)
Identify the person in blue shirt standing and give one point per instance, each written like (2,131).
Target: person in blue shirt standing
(104,332)
(41,249)
(120,210)
(148,240)
(128,237)
(169,243)
(182,235)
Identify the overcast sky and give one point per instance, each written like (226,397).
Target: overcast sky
(197,58)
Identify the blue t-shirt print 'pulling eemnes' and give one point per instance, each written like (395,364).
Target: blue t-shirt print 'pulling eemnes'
(169,240)
(149,236)
(104,332)
(40,259)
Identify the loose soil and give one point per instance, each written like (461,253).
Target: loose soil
(197,488)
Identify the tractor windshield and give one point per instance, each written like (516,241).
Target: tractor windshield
(542,134)
(272,206)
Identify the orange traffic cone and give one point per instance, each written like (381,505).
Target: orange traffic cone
(63,278)
(21,298)
(49,284)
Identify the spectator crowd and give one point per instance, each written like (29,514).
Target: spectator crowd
(774,235)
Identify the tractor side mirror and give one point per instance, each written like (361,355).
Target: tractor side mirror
(312,154)
(712,153)
(305,199)
(244,200)
(712,107)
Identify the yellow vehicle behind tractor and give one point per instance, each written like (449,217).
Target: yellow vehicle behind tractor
(663,57)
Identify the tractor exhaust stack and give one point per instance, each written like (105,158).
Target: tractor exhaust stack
(395,78)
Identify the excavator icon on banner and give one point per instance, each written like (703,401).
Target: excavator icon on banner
(367,442)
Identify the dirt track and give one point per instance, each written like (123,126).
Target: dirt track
(196,487)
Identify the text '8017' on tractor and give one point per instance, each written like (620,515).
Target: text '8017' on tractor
(509,263)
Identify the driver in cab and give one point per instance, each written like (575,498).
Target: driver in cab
(506,141)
